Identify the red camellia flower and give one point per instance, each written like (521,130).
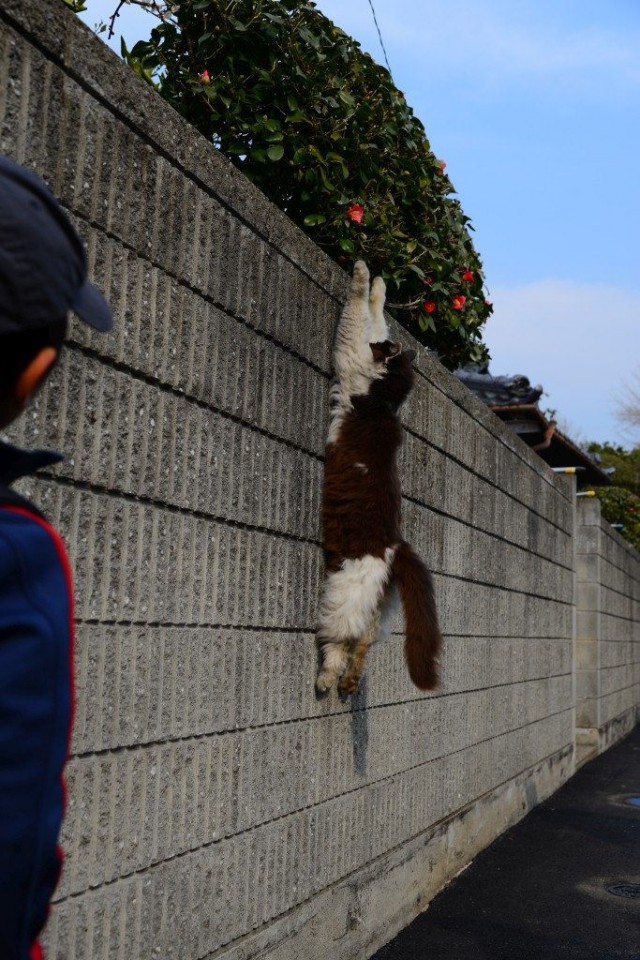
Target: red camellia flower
(488,303)
(458,302)
(355,212)
(428,280)
(204,77)
(442,165)
(467,275)
(429,306)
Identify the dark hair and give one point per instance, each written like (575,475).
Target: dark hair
(17,350)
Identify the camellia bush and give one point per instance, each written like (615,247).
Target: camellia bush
(621,507)
(621,502)
(321,129)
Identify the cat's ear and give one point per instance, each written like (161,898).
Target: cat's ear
(385,351)
(379,352)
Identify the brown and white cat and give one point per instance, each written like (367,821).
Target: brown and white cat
(367,562)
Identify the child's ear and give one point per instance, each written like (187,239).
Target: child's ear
(34,374)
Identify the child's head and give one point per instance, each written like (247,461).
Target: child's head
(43,273)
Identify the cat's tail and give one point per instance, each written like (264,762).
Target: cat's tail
(423,637)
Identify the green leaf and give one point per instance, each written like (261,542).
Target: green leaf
(347,245)
(346,98)
(314,219)
(313,150)
(328,184)
(425,322)
(276,152)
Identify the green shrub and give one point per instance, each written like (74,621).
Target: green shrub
(621,503)
(622,506)
(320,128)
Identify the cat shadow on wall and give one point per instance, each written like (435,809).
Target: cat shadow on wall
(360,728)
(359,722)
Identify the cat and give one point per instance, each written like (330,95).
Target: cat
(369,567)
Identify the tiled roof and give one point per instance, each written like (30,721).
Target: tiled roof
(515,401)
(495,391)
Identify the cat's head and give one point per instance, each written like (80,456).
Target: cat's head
(396,373)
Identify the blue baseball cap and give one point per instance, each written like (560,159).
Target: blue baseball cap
(43,266)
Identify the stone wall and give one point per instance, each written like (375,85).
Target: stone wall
(216,807)
(607,632)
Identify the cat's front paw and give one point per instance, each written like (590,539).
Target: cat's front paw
(360,279)
(378,294)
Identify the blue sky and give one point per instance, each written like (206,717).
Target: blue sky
(535,106)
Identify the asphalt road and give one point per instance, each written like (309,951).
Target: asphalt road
(540,891)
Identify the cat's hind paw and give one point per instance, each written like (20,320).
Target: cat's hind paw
(326,679)
(348,684)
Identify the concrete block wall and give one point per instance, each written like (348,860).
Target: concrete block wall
(607,632)
(216,807)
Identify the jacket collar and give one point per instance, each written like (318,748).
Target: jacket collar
(16,463)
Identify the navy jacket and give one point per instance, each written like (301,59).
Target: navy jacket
(36,703)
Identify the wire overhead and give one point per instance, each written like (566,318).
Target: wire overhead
(375,20)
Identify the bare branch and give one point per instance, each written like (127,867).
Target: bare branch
(406,306)
(157,8)
(627,408)
(112,18)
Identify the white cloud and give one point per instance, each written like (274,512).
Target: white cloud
(580,341)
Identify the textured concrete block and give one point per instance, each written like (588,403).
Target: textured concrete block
(587,655)
(588,625)
(588,568)
(588,597)
(587,683)
(587,712)
(588,512)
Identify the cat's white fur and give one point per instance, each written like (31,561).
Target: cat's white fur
(362,322)
(352,594)
(353,607)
